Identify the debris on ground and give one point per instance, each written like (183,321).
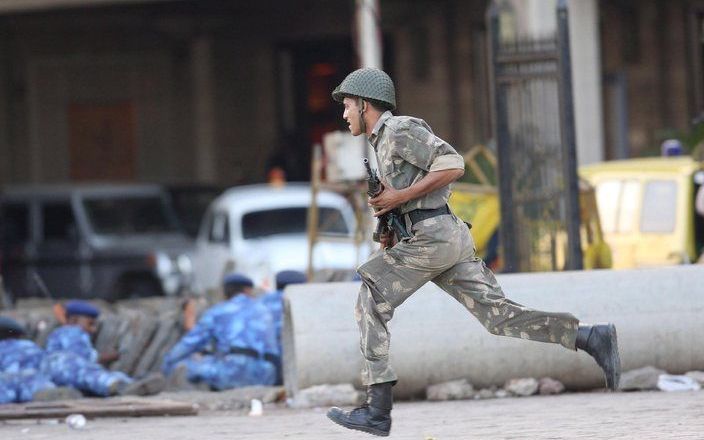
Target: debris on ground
(641,379)
(236,399)
(548,386)
(453,390)
(526,386)
(327,395)
(671,382)
(92,408)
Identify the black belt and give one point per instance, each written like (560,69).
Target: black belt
(418,215)
(255,354)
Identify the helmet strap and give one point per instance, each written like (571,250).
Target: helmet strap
(362,109)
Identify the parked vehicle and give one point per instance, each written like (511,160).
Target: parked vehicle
(260,230)
(476,200)
(480,206)
(92,241)
(647,209)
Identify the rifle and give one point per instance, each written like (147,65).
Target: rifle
(389,222)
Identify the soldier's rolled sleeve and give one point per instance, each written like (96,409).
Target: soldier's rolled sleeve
(447,162)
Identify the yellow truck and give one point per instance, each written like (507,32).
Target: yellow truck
(646,208)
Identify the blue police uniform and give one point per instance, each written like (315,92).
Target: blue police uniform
(20,386)
(19,354)
(71,361)
(274,302)
(241,333)
(20,360)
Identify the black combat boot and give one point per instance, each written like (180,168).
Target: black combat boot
(374,416)
(600,342)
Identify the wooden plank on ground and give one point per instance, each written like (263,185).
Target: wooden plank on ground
(92,408)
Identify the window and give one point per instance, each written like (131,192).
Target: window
(659,207)
(618,205)
(219,228)
(262,224)
(607,195)
(129,215)
(628,209)
(59,223)
(14,224)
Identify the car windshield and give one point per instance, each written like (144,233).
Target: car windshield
(261,224)
(129,215)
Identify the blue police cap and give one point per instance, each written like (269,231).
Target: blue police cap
(239,279)
(672,147)
(286,277)
(10,328)
(81,308)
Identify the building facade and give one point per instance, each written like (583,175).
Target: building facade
(220,91)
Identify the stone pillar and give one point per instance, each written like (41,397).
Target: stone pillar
(203,109)
(586,80)
(369,33)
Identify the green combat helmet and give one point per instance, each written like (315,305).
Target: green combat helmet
(368,83)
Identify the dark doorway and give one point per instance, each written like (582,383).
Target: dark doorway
(308,72)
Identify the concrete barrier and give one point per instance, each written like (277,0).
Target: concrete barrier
(659,314)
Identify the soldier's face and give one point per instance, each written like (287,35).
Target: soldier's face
(351,116)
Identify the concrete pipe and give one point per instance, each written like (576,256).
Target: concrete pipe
(658,314)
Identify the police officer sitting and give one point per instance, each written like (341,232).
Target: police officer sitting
(240,335)
(274,302)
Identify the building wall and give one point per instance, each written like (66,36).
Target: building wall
(144,54)
(646,43)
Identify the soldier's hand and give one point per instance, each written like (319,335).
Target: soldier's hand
(387,240)
(387,200)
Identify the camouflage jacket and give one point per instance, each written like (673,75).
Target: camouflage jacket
(240,322)
(407,150)
(74,339)
(17,355)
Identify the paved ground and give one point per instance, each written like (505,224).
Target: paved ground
(644,415)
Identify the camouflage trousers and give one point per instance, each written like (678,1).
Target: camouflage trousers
(441,250)
(20,386)
(224,372)
(68,369)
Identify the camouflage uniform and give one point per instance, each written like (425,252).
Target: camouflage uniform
(20,378)
(240,323)
(20,386)
(71,361)
(440,250)
(274,302)
(19,354)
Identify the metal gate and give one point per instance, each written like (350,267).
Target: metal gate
(535,138)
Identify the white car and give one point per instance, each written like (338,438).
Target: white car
(259,230)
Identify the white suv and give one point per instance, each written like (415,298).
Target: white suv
(259,230)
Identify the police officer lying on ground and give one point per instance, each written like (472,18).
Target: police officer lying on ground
(20,359)
(72,361)
(417,168)
(240,334)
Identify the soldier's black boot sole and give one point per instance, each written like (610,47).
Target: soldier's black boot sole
(601,342)
(362,419)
